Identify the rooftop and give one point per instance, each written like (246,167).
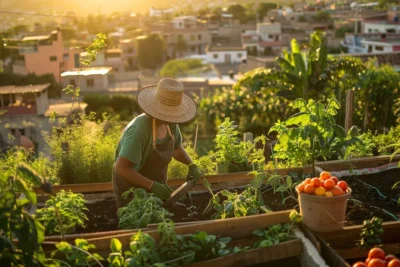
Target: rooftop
(87,72)
(36,38)
(22,89)
(217,48)
(115,50)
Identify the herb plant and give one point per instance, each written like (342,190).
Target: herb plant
(247,203)
(79,254)
(371,233)
(273,235)
(144,209)
(312,134)
(70,208)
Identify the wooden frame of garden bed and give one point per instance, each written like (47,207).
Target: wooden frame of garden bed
(343,241)
(241,178)
(239,229)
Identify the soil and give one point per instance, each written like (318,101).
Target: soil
(364,203)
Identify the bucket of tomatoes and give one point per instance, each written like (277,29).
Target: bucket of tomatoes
(378,258)
(323,202)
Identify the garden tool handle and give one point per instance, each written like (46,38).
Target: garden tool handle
(180,192)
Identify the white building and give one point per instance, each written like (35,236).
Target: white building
(226,54)
(269,32)
(379,27)
(160,12)
(90,80)
(266,40)
(184,22)
(372,43)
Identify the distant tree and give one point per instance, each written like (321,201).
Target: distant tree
(150,49)
(181,45)
(173,68)
(322,16)
(263,8)
(238,11)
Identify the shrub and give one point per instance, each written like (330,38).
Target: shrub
(83,153)
(173,68)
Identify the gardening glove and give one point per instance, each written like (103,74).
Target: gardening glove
(194,173)
(161,191)
(169,188)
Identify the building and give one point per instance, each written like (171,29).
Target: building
(266,40)
(129,54)
(154,12)
(45,55)
(90,80)
(113,58)
(380,27)
(27,110)
(226,54)
(184,22)
(372,43)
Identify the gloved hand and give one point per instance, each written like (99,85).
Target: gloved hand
(161,191)
(194,173)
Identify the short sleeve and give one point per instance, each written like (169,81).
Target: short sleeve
(133,144)
(177,136)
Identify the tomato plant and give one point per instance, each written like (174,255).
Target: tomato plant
(312,134)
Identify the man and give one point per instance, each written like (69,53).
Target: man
(152,139)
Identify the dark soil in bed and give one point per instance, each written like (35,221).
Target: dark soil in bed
(364,203)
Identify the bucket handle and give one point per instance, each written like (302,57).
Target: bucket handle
(327,212)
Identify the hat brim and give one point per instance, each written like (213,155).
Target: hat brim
(148,102)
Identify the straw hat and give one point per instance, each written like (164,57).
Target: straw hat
(167,102)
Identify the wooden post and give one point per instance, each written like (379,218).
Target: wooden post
(248,137)
(195,138)
(349,110)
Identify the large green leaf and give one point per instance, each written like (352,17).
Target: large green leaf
(339,131)
(295,46)
(301,118)
(31,195)
(353,131)
(115,245)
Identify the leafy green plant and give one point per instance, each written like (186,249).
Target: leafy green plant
(371,232)
(83,152)
(273,235)
(15,221)
(283,184)
(312,134)
(79,254)
(144,209)
(69,208)
(247,203)
(236,155)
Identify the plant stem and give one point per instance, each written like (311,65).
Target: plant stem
(88,253)
(60,223)
(313,156)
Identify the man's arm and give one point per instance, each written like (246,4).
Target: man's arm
(180,155)
(124,168)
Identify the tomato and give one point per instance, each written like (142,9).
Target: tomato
(343,185)
(328,184)
(335,179)
(295,217)
(328,194)
(315,182)
(394,263)
(309,189)
(307,181)
(325,175)
(367,261)
(376,263)
(359,264)
(376,253)
(337,191)
(389,257)
(319,191)
(300,188)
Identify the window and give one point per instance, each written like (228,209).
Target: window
(130,49)
(199,37)
(370,49)
(379,48)
(53,58)
(239,55)
(89,82)
(270,36)
(369,30)
(72,82)
(215,56)
(29,99)
(192,38)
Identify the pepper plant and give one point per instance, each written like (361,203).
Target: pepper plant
(70,212)
(312,134)
(371,233)
(144,208)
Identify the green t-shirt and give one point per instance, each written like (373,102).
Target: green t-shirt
(137,138)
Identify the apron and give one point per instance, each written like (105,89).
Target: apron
(154,168)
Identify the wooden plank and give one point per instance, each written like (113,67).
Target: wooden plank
(347,237)
(236,228)
(349,110)
(256,256)
(179,193)
(330,256)
(356,252)
(335,165)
